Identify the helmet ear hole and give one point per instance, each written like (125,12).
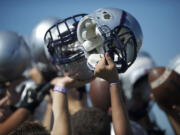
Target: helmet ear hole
(98,17)
(107,16)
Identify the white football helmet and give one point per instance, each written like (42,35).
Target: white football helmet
(175,64)
(66,52)
(141,67)
(136,88)
(38,47)
(110,30)
(14,56)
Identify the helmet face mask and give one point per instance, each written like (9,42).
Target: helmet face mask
(111,30)
(61,39)
(122,48)
(66,52)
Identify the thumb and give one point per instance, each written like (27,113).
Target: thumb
(108,58)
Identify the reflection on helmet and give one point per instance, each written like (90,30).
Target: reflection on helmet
(38,48)
(66,52)
(175,64)
(14,56)
(110,30)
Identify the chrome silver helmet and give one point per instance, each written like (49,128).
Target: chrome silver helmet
(66,52)
(14,56)
(110,30)
(38,48)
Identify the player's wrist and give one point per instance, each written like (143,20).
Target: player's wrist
(27,109)
(114,83)
(60,88)
(113,79)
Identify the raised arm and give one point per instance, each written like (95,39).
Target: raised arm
(119,114)
(61,124)
(27,104)
(48,113)
(17,118)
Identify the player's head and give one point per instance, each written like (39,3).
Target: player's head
(65,51)
(175,64)
(14,56)
(136,87)
(90,121)
(110,30)
(30,128)
(38,47)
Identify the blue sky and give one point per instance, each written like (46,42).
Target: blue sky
(159,19)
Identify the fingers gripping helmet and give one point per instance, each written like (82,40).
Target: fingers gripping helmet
(38,48)
(66,52)
(141,67)
(110,30)
(14,56)
(175,64)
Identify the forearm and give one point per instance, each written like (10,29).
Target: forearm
(47,117)
(119,113)
(17,118)
(61,115)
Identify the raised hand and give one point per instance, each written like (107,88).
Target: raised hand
(32,97)
(69,82)
(106,69)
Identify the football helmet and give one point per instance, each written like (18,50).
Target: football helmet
(135,86)
(14,56)
(175,64)
(110,30)
(38,48)
(141,67)
(66,52)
